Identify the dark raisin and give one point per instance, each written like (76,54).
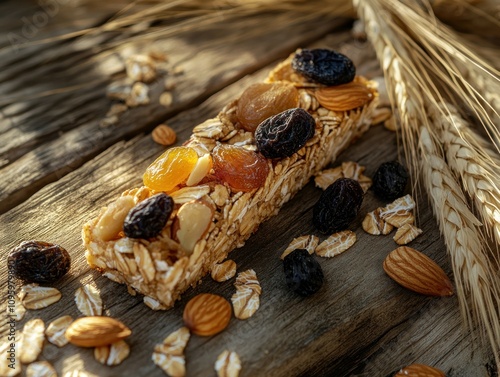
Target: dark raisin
(148,218)
(389,181)
(338,206)
(324,66)
(303,273)
(39,262)
(284,134)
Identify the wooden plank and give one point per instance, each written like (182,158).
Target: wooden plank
(41,146)
(360,323)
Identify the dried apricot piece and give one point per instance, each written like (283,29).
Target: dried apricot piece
(240,168)
(171,169)
(263,100)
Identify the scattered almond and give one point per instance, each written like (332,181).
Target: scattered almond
(223,271)
(336,244)
(32,340)
(246,300)
(111,220)
(373,224)
(417,272)
(406,234)
(228,364)
(96,331)
(192,223)
(88,300)
(41,369)
(56,330)
(344,97)
(200,170)
(207,314)
(112,354)
(36,297)
(164,135)
(419,370)
(400,218)
(169,355)
(308,243)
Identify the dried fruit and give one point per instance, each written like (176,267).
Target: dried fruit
(285,133)
(164,135)
(223,271)
(374,224)
(241,169)
(88,300)
(304,242)
(56,329)
(417,272)
(170,169)
(39,262)
(207,314)
(36,297)
(303,273)
(169,355)
(390,180)
(96,331)
(406,234)
(192,223)
(147,219)
(41,369)
(344,97)
(338,206)
(228,364)
(32,340)
(246,300)
(263,100)
(112,354)
(324,66)
(336,244)
(419,370)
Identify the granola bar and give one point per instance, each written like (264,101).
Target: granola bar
(160,267)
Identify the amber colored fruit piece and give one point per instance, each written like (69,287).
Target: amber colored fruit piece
(241,169)
(263,100)
(171,169)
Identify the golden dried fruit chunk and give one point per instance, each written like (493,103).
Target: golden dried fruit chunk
(263,100)
(41,369)
(96,331)
(32,340)
(223,271)
(308,243)
(88,300)
(207,314)
(228,364)
(112,354)
(56,330)
(171,169)
(336,244)
(344,97)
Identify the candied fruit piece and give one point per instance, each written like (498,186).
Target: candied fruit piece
(263,100)
(243,170)
(171,169)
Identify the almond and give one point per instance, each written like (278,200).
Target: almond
(207,314)
(192,223)
(96,331)
(417,272)
(164,135)
(419,370)
(344,97)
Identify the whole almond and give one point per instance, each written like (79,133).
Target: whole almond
(164,135)
(417,272)
(96,331)
(207,314)
(419,370)
(344,97)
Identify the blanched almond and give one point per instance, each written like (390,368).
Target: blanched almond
(200,170)
(192,223)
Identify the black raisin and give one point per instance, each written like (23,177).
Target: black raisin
(284,134)
(303,273)
(338,206)
(39,262)
(389,181)
(148,218)
(324,66)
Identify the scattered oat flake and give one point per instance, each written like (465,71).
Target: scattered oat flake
(228,364)
(88,300)
(404,203)
(41,369)
(139,95)
(400,218)
(245,301)
(35,297)
(169,355)
(166,99)
(56,330)
(336,244)
(223,271)
(141,68)
(17,311)
(308,243)
(32,342)
(406,234)
(373,224)
(348,169)
(327,177)
(249,279)
(112,354)
(76,373)
(5,370)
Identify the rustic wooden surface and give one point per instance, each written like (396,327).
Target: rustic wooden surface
(59,167)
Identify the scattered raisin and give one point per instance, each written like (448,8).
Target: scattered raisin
(303,273)
(324,66)
(390,180)
(240,168)
(147,219)
(262,100)
(338,206)
(39,262)
(284,134)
